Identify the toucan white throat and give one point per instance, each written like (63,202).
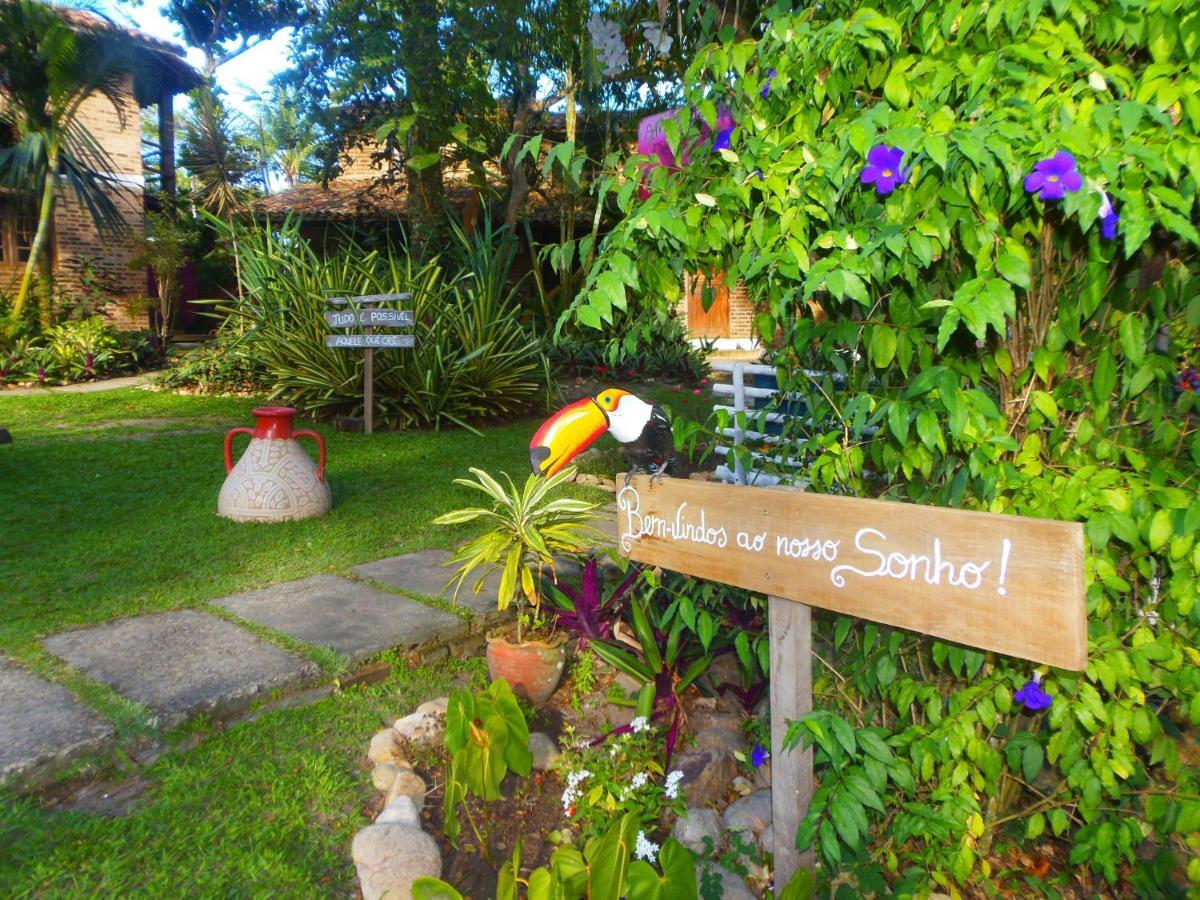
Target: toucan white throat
(627,422)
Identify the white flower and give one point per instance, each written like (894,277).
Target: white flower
(641,723)
(657,37)
(639,781)
(645,849)
(608,44)
(1097,82)
(671,788)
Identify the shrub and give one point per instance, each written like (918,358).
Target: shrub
(650,343)
(78,350)
(223,365)
(473,360)
(998,350)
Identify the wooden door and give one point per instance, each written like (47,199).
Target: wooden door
(713,322)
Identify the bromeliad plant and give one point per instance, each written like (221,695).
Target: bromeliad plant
(487,737)
(526,529)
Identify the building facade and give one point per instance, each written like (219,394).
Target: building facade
(87,262)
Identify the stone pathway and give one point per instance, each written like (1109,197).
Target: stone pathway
(84,387)
(189,662)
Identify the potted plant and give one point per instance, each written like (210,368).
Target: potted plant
(528,529)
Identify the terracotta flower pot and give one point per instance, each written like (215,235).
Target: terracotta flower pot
(533,668)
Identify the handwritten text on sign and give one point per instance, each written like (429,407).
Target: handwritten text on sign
(1005,583)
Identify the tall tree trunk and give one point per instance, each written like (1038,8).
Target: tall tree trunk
(40,238)
(518,181)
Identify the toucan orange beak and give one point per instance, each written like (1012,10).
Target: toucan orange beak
(565,435)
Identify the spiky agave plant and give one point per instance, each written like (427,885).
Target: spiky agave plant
(527,528)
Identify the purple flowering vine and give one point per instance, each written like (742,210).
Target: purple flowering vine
(1108,217)
(1032,696)
(1054,176)
(722,142)
(766,88)
(885,169)
(759,755)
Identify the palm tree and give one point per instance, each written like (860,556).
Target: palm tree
(48,70)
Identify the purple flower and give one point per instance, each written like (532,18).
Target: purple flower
(1108,217)
(759,755)
(1032,697)
(1051,178)
(722,142)
(885,169)
(766,88)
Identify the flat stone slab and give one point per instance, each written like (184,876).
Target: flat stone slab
(354,619)
(425,573)
(42,726)
(182,663)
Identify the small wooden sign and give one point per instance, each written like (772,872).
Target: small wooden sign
(368,299)
(1010,584)
(347,318)
(376,341)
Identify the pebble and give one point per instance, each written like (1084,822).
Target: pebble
(383,775)
(436,707)
(545,751)
(420,727)
(727,739)
(706,774)
(742,785)
(389,858)
(733,886)
(696,824)
(407,783)
(751,813)
(401,811)
(383,748)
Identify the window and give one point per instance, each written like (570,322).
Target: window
(17,227)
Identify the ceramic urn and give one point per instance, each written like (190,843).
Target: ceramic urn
(275,480)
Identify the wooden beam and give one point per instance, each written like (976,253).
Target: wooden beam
(790,631)
(166,141)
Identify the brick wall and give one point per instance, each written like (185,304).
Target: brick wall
(79,246)
(741,309)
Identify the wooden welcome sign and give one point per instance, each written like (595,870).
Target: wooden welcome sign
(1005,583)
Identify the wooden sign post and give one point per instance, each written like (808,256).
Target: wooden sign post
(1004,583)
(353,317)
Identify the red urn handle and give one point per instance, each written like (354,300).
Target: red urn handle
(229,446)
(320,443)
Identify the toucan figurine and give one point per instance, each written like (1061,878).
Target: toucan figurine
(643,430)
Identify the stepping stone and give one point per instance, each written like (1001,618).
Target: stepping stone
(354,619)
(42,726)
(182,663)
(425,573)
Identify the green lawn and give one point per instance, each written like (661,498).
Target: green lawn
(109,502)
(265,809)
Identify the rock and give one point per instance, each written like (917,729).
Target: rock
(384,748)
(706,720)
(389,858)
(766,840)
(545,751)
(762,775)
(435,707)
(401,811)
(733,887)
(407,784)
(420,727)
(696,824)
(742,785)
(752,813)
(383,775)
(628,684)
(706,775)
(720,738)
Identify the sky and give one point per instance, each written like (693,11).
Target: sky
(240,78)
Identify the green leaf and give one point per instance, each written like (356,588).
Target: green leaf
(1014,269)
(609,858)
(928,429)
(883,346)
(427,888)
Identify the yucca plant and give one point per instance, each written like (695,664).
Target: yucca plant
(473,360)
(527,529)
